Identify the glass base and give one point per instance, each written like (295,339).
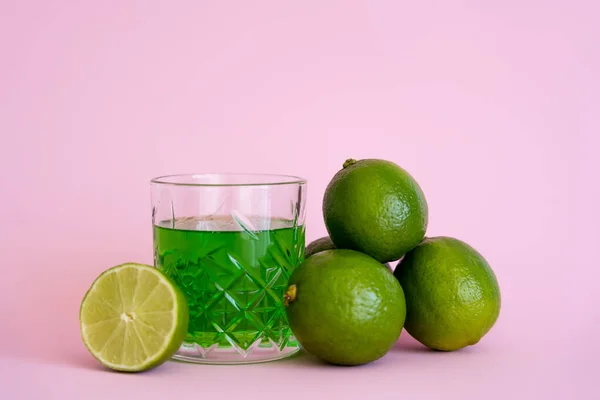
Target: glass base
(193,353)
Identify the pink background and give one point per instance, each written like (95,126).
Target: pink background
(492,108)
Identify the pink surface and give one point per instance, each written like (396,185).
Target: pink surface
(493,109)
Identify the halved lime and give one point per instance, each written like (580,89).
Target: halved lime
(133,318)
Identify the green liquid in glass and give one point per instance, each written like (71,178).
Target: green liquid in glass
(233,277)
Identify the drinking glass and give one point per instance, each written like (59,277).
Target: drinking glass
(230,242)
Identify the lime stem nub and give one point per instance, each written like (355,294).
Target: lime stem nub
(290,295)
(349,162)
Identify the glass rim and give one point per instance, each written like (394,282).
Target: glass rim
(261,179)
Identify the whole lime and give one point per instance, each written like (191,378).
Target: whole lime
(452,295)
(375,207)
(344,307)
(319,245)
(325,243)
